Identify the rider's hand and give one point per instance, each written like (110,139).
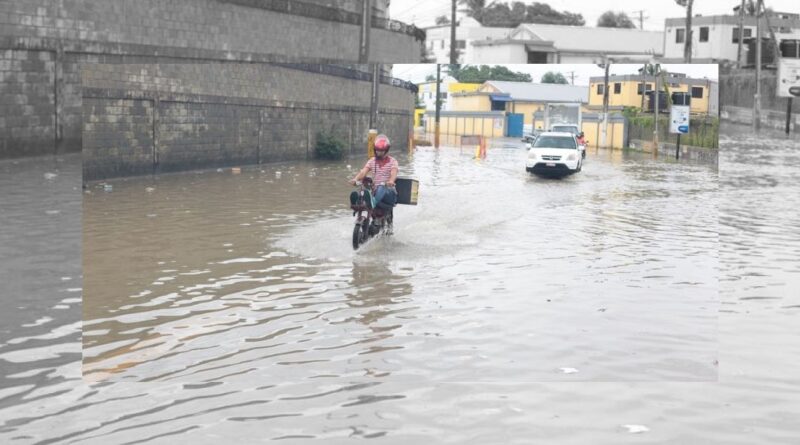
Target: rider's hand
(390,184)
(352,181)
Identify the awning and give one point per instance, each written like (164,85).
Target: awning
(500,97)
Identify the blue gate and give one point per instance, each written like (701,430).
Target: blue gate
(514,125)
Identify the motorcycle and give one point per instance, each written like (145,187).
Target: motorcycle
(371,221)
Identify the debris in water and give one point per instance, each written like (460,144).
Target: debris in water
(50,176)
(568,370)
(236,170)
(52,212)
(636,429)
(108,187)
(150,189)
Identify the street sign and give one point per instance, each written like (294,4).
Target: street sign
(788,77)
(679,119)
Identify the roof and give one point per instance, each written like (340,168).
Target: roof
(776,20)
(542,92)
(595,40)
(638,78)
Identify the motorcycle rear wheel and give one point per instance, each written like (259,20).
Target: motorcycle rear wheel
(356,236)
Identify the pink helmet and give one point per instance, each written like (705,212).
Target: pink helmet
(382,143)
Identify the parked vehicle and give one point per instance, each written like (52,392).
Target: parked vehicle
(554,154)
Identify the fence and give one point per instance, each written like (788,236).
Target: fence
(703,130)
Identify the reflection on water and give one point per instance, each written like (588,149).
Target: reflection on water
(266,324)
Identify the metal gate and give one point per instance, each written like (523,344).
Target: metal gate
(514,125)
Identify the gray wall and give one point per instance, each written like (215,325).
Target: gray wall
(142,118)
(43,43)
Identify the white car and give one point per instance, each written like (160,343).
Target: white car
(554,154)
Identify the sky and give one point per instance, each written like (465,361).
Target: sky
(424,12)
(417,72)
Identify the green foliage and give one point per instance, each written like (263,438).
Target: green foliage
(473,74)
(611,19)
(513,14)
(442,20)
(328,146)
(554,77)
(704,130)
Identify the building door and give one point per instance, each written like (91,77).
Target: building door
(514,125)
(537,57)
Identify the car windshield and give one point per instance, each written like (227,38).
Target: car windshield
(554,142)
(565,129)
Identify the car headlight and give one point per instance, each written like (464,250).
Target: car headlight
(572,157)
(531,155)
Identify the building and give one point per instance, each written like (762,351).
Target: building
(427,91)
(518,97)
(628,91)
(468,30)
(716,38)
(539,43)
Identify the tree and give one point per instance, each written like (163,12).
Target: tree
(430,78)
(474,74)
(611,19)
(513,14)
(442,20)
(554,77)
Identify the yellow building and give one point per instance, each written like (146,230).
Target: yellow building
(627,91)
(449,87)
(524,98)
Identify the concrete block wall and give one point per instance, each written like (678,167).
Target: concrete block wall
(27,102)
(120,129)
(65,34)
(215,115)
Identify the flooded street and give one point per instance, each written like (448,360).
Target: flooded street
(496,276)
(506,308)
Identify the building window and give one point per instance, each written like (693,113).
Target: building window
(617,88)
(600,88)
(442,45)
(642,87)
(704,33)
(498,105)
(443,96)
(697,92)
(680,35)
(747,33)
(461,44)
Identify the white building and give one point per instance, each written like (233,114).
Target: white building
(427,93)
(468,30)
(716,38)
(538,43)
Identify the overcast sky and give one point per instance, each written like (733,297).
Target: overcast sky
(416,73)
(424,12)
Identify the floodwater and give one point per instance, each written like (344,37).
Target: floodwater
(506,308)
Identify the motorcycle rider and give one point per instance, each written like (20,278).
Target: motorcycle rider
(581,139)
(384,174)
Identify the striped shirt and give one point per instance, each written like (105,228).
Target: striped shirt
(382,169)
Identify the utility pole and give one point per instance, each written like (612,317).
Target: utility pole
(656,93)
(641,18)
(741,36)
(571,77)
(757,97)
(644,84)
(687,48)
(366,18)
(438,107)
(453,49)
(373,103)
(604,133)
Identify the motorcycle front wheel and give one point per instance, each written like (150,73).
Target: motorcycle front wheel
(356,236)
